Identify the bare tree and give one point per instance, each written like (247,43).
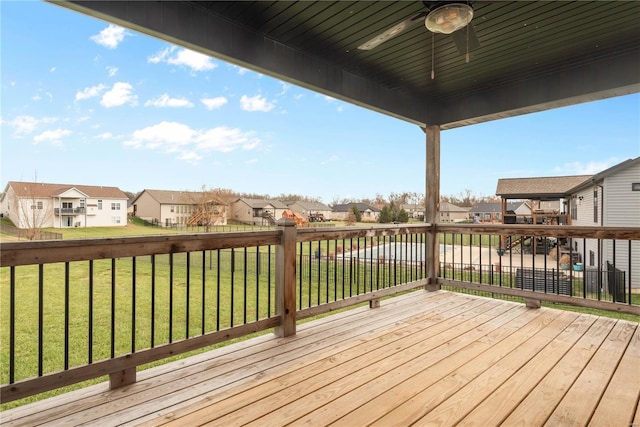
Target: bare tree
(34,212)
(211,206)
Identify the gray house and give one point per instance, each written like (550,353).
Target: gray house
(257,211)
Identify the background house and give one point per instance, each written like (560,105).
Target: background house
(310,210)
(45,205)
(492,211)
(415,211)
(452,213)
(257,211)
(340,212)
(176,208)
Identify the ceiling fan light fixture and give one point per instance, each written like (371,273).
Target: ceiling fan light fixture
(449,18)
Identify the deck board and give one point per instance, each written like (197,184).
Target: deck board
(424,358)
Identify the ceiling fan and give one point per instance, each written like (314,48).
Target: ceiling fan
(444,17)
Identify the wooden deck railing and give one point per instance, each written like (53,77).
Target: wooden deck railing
(73,310)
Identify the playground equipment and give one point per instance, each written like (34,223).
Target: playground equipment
(299,219)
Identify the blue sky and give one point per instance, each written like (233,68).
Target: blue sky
(85,102)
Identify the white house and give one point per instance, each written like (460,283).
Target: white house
(43,205)
(257,211)
(175,208)
(341,212)
(610,198)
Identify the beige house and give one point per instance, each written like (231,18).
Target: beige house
(257,211)
(176,208)
(310,209)
(45,205)
(452,213)
(342,211)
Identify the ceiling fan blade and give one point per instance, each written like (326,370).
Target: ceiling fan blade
(400,27)
(460,38)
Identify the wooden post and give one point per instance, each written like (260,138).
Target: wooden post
(286,278)
(432,205)
(122,378)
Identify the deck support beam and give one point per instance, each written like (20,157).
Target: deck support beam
(286,278)
(432,205)
(122,378)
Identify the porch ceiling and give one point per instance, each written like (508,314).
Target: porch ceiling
(533,55)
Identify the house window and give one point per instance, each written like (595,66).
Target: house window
(574,211)
(595,206)
(172,209)
(115,206)
(115,220)
(592,258)
(40,205)
(99,205)
(67,205)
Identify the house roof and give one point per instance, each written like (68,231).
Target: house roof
(606,173)
(261,203)
(168,197)
(450,207)
(42,189)
(311,206)
(542,188)
(348,206)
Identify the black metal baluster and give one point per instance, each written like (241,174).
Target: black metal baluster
(113,307)
(187,315)
(257,282)
(269,280)
(40,320)
(218,290)
(66,315)
(12,324)
(171,297)
(233,275)
(133,304)
(90,325)
(153,301)
(244,280)
(204,294)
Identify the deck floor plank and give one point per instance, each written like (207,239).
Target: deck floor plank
(540,403)
(227,366)
(437,393)
(423,358)
(583,397)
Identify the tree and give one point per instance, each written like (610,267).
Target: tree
(210,207)
(385,216)
(35,212)
(356,213)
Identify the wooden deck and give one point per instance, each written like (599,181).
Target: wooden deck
(423,358)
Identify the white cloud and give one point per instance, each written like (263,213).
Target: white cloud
(110,37)
(183,57)
(213,103)
(105,135)
(120,94)
(112,71)
(590,168)
(90,92)
(256,103)
(166,101)
(251,161)
(173,137)
(285,88)
(226,139)
(52,69)
(25,125)
(52,136)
